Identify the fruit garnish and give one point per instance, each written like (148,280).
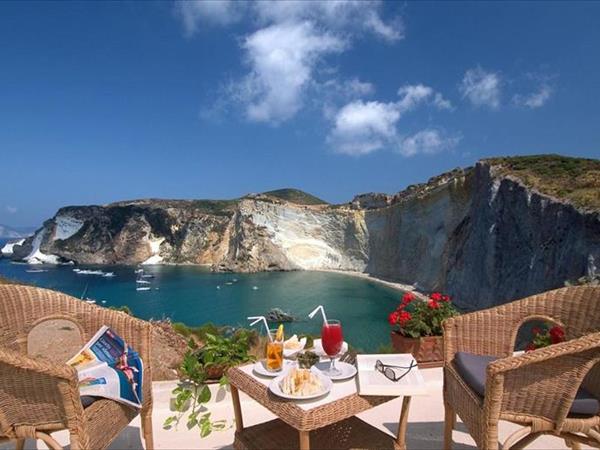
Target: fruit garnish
(279,334)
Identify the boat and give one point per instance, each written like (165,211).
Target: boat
(109,275)
(36,271)
(139,271)
(147,275)
(142,288)
(255,288)
(142,282)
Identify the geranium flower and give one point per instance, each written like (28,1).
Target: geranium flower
(436,297)
(445,298)
(530,347)
(393,318)
(405,316)
(557,334)
(433,304)
(407,298)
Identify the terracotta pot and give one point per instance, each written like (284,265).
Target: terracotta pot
(216,372)
(428,351)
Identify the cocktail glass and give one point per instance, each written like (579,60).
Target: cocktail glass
(332,339)
(274,353)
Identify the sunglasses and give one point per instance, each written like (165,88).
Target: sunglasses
(390,373)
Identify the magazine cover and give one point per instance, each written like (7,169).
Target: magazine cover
(108,367)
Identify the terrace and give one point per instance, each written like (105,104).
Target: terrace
(425,427)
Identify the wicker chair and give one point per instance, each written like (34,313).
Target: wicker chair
(535,389)
(39,397)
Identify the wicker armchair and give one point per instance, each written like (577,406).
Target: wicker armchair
(38,397)
(536,389)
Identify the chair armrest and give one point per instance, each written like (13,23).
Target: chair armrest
(544,382)
(36,392)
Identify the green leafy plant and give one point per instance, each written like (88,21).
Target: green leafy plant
(192,394)
(418,318)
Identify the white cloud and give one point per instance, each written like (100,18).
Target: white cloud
(428,141)
(361,128)
(338,15)
(292,40)
(282,59)
(535,99)
(481,88)
(222,12)
(11,209)
(412,95)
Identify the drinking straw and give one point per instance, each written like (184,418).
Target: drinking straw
(257,319)
(320,307)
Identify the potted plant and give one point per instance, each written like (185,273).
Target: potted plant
(545,335)
(200,366)
(417,327)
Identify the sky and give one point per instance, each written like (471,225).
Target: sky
(108,101)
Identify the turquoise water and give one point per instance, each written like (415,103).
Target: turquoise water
(190,295)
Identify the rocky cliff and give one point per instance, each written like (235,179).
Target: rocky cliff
(481,234)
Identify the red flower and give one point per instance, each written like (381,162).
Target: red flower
(436,297)
(536,330)
(407,298)
(393,318)
(557,334)
(405,316)
(433,304)
(530,347)
(445,298)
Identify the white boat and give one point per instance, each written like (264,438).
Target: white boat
(147,275)
(89,272)
(91,301)
(142,282)
(36,271)
(139,271)
(109,275)
(255,288)
(142,288)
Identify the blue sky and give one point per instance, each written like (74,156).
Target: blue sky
(105,101)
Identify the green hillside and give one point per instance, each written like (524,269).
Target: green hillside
(296,196)
(573,179)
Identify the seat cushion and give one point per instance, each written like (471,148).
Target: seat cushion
(472,369)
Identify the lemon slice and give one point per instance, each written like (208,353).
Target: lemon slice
(279,334)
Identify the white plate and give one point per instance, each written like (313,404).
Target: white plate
(275,386)
(347,371)
(261,369)
(288,352)
(318,348)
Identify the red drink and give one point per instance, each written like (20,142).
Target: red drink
(332,338)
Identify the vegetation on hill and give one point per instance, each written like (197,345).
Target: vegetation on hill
(296,196)
(574,179)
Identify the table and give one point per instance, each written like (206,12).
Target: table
(327,422)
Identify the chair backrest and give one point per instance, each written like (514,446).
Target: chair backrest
(22,308)
(576,308)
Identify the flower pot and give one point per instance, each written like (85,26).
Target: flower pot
(428,350)
(216,372)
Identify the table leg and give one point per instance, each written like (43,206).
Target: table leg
(304,440)
(237,408)
(401,438)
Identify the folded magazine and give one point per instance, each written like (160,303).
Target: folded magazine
(108,367)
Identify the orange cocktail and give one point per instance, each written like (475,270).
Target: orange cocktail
(275,351)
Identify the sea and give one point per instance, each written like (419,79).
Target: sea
(195,295)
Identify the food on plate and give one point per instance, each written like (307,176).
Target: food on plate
(292,343)
(307,359)
(309,340)
(301,383)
